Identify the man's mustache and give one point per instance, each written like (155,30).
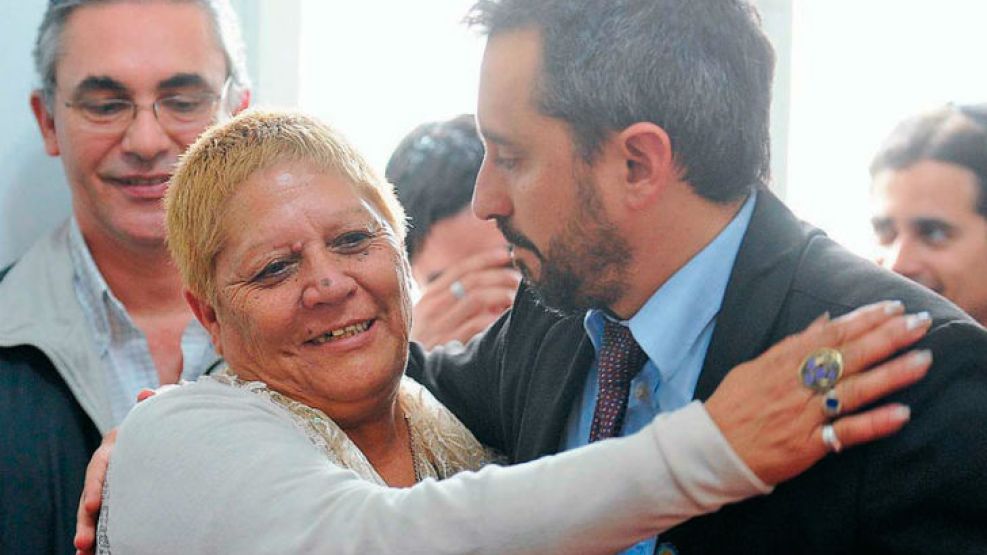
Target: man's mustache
(515,237)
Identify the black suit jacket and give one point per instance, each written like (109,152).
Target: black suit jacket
(922,491)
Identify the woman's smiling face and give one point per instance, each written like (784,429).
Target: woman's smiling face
(312,294)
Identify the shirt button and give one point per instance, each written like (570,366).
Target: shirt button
(641,392)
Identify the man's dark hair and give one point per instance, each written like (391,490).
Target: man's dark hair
(434,171)
(952,134)
(700,69)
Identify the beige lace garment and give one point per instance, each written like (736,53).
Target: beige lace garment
(441,444)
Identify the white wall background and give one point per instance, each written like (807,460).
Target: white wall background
(33,194)
(376,69)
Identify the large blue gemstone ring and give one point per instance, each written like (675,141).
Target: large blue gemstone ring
(822,369)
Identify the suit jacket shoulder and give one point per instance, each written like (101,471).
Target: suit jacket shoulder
(920,490)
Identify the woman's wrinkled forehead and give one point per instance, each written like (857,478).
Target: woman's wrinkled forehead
(288,174)
(346,205)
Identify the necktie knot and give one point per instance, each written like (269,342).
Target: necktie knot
(621,358)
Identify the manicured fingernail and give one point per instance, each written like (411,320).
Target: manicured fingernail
(901,413)
(920,358)
(893,307)
(913,321)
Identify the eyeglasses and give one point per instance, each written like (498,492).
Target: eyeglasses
(177,113)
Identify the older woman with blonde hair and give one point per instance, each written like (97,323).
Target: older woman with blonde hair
(313,440)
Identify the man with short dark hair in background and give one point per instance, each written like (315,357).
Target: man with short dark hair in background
(460,262)
(627,155)
(930,204)
(94,312)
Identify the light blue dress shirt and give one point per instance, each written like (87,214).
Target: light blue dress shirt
(674,328)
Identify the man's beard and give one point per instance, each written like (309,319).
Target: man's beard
(585,265)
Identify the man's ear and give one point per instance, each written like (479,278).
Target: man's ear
(206,315)
(46,122)
(647,151)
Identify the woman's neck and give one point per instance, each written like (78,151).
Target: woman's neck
(386,442)
(375,424)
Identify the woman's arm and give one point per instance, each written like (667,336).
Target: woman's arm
(192,469)
(213,466)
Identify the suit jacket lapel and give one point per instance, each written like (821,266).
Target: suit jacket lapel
(553,390)
(760,281)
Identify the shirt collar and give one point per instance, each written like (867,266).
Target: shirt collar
(98,303)
(675,316)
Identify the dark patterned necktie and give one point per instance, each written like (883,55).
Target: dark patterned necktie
(621,358)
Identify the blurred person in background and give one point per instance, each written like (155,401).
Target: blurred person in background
(930,203)
(460,262)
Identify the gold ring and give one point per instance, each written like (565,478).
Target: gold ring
(821,369)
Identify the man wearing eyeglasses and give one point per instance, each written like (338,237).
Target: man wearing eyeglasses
(93,313)
(930,204)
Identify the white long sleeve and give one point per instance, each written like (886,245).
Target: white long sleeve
(208,468)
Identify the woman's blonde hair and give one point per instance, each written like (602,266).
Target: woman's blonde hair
(225,156)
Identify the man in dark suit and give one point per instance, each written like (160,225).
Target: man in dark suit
(627,148)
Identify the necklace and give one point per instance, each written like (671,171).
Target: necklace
(416,458)
(424,435)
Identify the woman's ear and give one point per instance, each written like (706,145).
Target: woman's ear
(206,315)
(647,152)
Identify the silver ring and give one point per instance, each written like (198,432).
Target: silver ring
(457,290)
(831,404)
(830,440)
